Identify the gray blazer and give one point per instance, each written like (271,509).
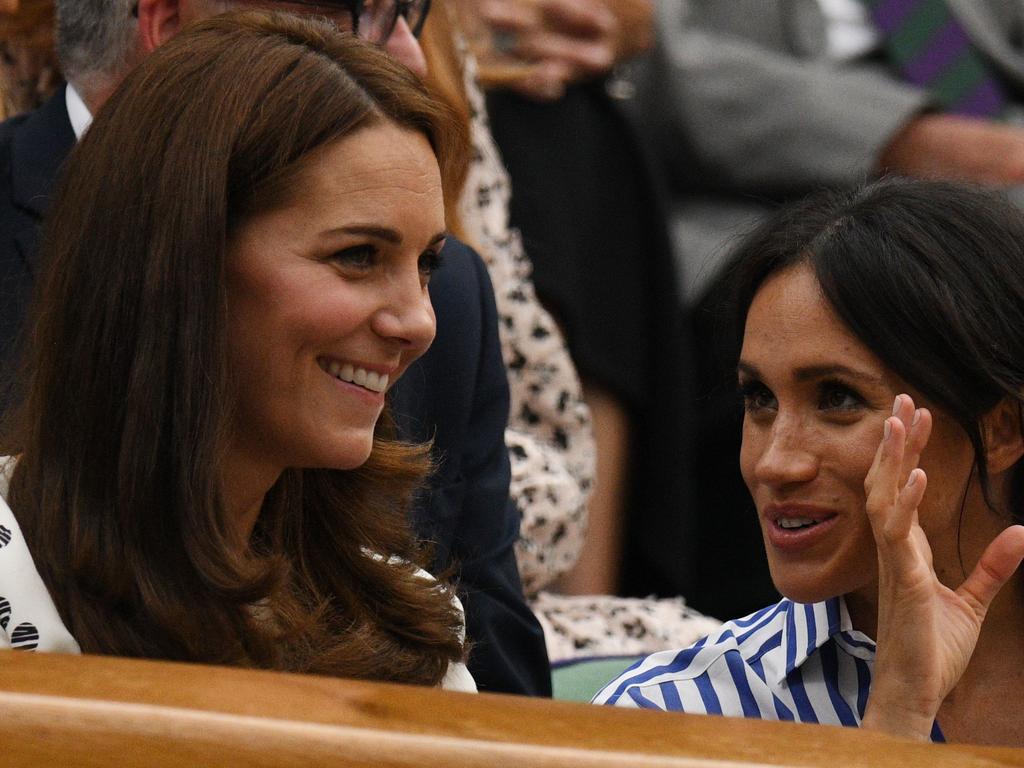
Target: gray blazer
(742,103)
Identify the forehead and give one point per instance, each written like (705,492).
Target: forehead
(382,175)
(790,323)
(379,157)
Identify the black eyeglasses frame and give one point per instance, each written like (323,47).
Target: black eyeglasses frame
(355,9)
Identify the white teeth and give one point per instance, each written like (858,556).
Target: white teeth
(795,522)
(375,382)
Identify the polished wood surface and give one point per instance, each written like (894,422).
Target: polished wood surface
(96,711)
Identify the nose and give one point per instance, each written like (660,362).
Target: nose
(786,454)
(406,316)
(404,46)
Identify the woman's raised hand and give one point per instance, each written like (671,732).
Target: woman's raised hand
(926,631)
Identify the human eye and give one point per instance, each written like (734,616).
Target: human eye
(430,261)
(359,258)
(838,397)
(757,398)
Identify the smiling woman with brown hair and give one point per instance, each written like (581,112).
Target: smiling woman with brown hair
(236,272)
(882,370)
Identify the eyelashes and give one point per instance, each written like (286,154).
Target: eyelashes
(430,262)
(360,257)
(835,395)
(756,396)
(364,258)
(831,395)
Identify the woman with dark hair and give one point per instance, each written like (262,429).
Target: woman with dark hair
(236,269)
(882,370)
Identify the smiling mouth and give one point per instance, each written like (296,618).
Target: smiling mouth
(369,380)
(796,523)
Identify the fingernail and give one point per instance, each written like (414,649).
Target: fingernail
(913,478)
(917,417)
(896,404)
(886,430)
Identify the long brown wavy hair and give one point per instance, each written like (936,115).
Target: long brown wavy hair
(121,433)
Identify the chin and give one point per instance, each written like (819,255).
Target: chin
(347,455)
(352,459)
(799,588)
(803,595)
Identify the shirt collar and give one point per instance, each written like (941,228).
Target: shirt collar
(807,627)
(78,113)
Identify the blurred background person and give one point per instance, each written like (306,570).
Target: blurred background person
(591,219)
(549,438)
(548,435)
(29,72)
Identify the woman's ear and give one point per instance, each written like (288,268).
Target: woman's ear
(1004,435)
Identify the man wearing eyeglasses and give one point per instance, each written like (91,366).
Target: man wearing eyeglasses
(457,394)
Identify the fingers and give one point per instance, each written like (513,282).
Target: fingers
(998,563)
(546,81)
(894,484)
(918,422)
(571,18)
(578,36)
(513,16)
(585,18)
(584,57)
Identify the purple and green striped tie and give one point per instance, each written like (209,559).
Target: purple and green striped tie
(930,48)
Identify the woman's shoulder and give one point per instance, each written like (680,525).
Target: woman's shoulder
(458,676)
(714,673)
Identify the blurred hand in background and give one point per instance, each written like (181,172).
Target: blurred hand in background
(538,47)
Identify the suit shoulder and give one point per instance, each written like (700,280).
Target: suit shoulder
(9,129)
(462,279)
(10,126)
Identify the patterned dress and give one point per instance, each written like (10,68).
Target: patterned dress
(549,438)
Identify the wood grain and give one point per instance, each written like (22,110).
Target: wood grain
(98,711)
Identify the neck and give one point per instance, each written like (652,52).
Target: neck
(863,609)
(245,484)
(95,91)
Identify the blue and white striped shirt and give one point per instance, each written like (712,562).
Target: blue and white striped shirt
(789,661)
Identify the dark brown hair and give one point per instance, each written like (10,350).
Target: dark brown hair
(929,275)
(121,433)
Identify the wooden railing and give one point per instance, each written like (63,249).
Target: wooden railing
(96,711)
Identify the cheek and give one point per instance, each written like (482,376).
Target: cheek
(853,453)
(751,448)
(948,461)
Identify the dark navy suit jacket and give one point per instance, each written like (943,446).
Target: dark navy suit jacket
(456,394)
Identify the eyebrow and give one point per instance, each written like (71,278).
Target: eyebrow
(386,234)
(815,372)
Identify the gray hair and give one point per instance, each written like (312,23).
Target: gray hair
(95,38)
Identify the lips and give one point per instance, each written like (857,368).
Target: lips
(796,526)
